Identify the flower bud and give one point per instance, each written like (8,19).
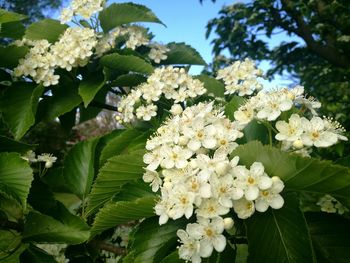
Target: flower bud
(176,109)
(228,223)
(222,168)
(298,144)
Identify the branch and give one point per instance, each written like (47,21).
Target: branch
(327,52)
(4,223)
(103,106)
(107,246)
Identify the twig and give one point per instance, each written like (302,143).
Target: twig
(107,246)
(103,106)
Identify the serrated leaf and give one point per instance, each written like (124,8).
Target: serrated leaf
(150,238)
(122,212)
(129,80)
(126,63)
(89,87)
(43,228)
(125,13)
(10,55)
(330,235)
(299,174)
(213,86)
(272,235)
(118,144)
(180,53)
(7,16)
(78,170)
(15,177)
(118,171)
(18,105)
(10,145)
(48,29)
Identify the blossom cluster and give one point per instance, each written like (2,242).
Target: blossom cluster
(173,83)
(56,250)
(329,204)
(47,158)
(158,52)
(241,77)
(188,160)
(84,8)
(72,49)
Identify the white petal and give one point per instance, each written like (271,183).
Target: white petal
(257,169)
(209,143)
(265,182)
(219,243)
(194,145)
(205,191)
(206,248)
(261,205)
(277,202)
(252,193)
(237,193)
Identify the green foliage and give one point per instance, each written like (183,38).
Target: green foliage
(11,54)
(15,177)
(180,53)
(126,63)
(48,29)
(278,229)
(89,87)
(10,145)
(213,86)
(125,13)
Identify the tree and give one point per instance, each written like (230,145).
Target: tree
(320,58)
(34,9)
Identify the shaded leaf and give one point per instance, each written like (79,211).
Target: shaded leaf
(78,170)
(180,53)
(15,177)
(48,29)
(272,235)
(126,63)
(118,171)
(113,214)
(36,255)
(89,87)
(13,30)
(18,105)
(232,106)
(7,16)
(213,86)
(129,80)
(124,13)
(10,55)
(10,145)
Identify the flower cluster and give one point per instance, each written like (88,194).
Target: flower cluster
(47,158)
(241,77)
(56,250)
(84,8)
(173,83)
(329,204)
(158,52)
(299,132)
(72,49)
(188,160)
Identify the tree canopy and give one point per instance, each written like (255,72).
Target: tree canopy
(317,52)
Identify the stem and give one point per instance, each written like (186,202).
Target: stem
(107,246)
(103,106)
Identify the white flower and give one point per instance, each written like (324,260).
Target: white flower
(228,223)
(331,205)
(273,105)
(189,250)
(271,196)
(175,157)
(243,208)
(210,208)
(176,109)
(84,8)
(158,52)
(152,177)
(146,112)
(315,133)
(48,158)
(182,203)
(290,131)
(29,156)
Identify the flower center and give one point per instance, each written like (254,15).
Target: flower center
(251,180)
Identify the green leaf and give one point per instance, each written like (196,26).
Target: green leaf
(89,87)
(299,174)
(118,144)
(232,106)
(118,171)
(7,16)
(113,214)
(330,236)
(18,105)
(126,63)
(180,53)
(152,242)
(9,145)
(43,228)
(10,56)
(13,30)
(65,98)
(48,29)
(78,170)
(213,86)
(279,235)
(125,13)
(14,256)
(129,80)
(9,242)
(172,258)
(15,177)
(36,255)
